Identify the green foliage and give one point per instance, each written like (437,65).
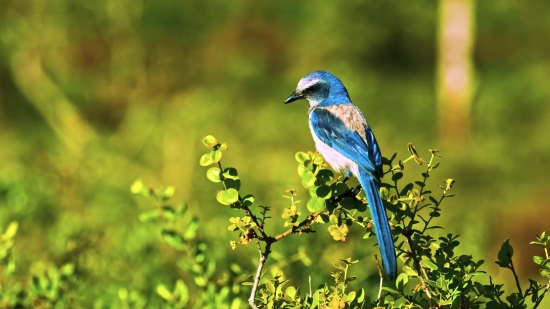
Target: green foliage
(434,274)
(178,230)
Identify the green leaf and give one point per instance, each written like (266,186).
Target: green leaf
(317,159)
(384,193)
(348,203)
(301,157)
(315,204)
(301,169)
(538,259)
(149,216)
(406,189)
(361,296)
(233,183)
(139,188)
(290,292)
(206,159)
(397,176)
(223,146)
(505,254)
(308,179)
(324,191)
(181,292)
(212,157)
(315,299)
(67,269)
(209,141)
(401,278)
(431,265)
(410,272)
(325,176)
(11,230)
(227,197)
(191,230)
(216,155)
(230,173)
(351,296)
(213,174)
(167,193)
(339,188)
(248,200)
(164,292)
(173,238)
(269,285)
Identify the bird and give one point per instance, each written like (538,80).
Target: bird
(345,140)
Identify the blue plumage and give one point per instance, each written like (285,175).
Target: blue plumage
(345,140)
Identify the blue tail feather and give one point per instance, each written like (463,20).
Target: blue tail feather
(380,220)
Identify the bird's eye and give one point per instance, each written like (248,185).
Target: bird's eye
(312,88)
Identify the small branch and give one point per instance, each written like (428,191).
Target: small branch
(419,270)
(310,293)
(381,277)
(397,167)
(515,276)
(255,219)
(542,296)
(263,258)
(295,228)
(435,209)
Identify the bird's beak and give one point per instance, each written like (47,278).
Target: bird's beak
(293,97)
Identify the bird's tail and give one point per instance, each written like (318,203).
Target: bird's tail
(380,220)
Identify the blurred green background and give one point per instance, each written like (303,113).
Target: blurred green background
(96,94)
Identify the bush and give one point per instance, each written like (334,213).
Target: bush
(433,273)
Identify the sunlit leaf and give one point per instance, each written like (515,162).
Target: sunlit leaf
(213,174)
(173,238)
(227,197)
(315,204)
(209,141)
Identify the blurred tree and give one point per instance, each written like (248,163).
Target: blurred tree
(454,80)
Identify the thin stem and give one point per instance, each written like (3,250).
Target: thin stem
(263,258)
(396,167)
(515,276)
(381,277)
(542,296)
(427,174)
(345,277)
(419,269)
(436,209)
(293,229)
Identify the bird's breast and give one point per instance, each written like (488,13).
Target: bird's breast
(336,160)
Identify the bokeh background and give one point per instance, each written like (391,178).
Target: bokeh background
(96,94)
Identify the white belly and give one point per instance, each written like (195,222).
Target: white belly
(336,160)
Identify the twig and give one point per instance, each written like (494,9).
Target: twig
(398,167)
(310,293)
(542,296)
(381,277)
(515,276)
(419,270)
(263,258)
(295,228)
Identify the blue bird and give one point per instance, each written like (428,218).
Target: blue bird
(343,137)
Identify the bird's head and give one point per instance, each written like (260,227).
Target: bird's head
(317,87)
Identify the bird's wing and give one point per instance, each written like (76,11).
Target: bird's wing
(347,140)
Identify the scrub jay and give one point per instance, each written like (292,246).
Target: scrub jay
(345,140)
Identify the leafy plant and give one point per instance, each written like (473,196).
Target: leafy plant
(433,274)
